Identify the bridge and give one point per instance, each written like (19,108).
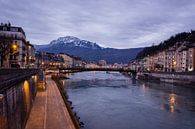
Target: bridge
(81,69)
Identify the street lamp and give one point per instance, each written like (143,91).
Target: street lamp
(14,46)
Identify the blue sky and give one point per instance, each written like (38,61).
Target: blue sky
(110,23)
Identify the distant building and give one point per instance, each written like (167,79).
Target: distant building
(186,57)
(116,65)
(191,59)
(30,55)
(48,60)
(68,60)
(21,52)
(178,58)
(77,62)
(102,63)
(91,65)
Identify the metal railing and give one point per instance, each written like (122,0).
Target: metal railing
(9,77)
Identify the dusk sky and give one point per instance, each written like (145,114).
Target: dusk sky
(110,23)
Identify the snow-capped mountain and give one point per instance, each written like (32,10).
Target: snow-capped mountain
(71,41)
(88,51)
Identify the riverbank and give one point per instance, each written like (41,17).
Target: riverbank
(60,86)
(183,78)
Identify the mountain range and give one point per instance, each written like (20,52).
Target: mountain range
(88,51)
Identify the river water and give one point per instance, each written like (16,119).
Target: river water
(112,101)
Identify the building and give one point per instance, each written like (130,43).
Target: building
(77,62)
(48,60)
(186,57)
(21,53)
(68,60)
(191,59)
(170,60)
(91,65)
(178,58)
(30,55)
(102,63)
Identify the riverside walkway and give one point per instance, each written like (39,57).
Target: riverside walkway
(49,110)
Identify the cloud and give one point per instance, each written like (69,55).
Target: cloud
(111,23)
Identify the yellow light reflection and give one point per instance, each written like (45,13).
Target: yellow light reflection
(172,102)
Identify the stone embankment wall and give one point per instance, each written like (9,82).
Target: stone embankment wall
(187,78)
(175,78)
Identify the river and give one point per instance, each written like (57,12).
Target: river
(112,101)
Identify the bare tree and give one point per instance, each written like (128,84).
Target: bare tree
(5,46)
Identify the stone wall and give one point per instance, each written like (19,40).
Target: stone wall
(175,77)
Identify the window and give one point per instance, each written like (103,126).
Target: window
(14,29)
(5,28)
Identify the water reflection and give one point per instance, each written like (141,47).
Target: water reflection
(172,102)
(133,81)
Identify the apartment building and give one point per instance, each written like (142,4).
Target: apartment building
(48,60)
(191,59)
(21,52)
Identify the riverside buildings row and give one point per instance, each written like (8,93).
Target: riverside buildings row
(178,58)
(52,60)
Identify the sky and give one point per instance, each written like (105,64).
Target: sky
(110,23)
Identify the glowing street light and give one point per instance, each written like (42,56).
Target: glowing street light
(174,62)
(14,46)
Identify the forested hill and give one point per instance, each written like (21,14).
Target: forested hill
(181,37)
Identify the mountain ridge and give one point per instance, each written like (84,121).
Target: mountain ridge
(88,51)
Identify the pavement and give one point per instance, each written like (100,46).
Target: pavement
(49,110)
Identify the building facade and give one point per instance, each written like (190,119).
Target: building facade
(68,60)
(178,58)
(48,60)
(21,53)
